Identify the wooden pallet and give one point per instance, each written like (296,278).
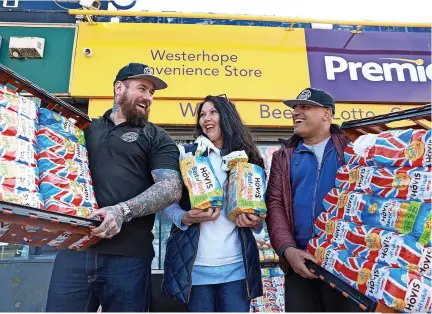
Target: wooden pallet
(415,118)
(36,227)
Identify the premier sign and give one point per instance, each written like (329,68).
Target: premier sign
(410,70)
(376,67)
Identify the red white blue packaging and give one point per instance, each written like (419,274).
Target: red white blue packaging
(397,288)
(395,148)
(276,272)
(21,105)
(13,124)
(19,177)
(390,182)
(407,217)
(57,206)
(69,169)
(15,149)
(61,125)
(48,140)
(67,191)
(31,199)
(375,244)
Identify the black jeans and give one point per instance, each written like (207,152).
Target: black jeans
(314,295)
(81,281)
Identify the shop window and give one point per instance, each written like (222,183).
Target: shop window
(156,263)
(9,251)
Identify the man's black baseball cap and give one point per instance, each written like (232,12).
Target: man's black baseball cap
(314,97)
(140,71)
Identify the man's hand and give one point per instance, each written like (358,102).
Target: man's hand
(296,258)
(248,220)
(196,215)
(112,221)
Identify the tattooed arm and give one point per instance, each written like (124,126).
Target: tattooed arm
(166,191)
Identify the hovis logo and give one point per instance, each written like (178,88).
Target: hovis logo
(388,70)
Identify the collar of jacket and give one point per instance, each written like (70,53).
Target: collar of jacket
(206,145)
(294,140)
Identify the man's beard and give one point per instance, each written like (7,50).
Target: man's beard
(130,112)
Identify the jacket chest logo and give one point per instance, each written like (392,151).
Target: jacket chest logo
(129,137)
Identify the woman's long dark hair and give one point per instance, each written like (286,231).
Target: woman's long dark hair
(236,136)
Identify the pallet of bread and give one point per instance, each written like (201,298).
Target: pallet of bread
(46,191)
(373,241)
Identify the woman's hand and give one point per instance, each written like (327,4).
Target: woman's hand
(248,220)
(196,215)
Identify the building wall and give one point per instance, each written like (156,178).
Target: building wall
(52,72)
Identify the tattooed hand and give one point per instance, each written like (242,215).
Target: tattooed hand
(112,221)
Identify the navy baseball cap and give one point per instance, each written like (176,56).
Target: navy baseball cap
(314,97)
(140,71)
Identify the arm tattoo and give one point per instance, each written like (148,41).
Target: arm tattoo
(166,191)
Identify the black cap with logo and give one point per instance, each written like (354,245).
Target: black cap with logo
(140,71)
(314,97)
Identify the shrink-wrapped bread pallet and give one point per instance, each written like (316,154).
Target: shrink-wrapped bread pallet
(33,211)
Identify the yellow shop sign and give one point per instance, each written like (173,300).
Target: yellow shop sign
(253,113)
(243,62)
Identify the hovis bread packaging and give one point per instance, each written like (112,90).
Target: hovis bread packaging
(15,149)
(397,288)
(56,205)
(201,182)
(391,182)
(19,175)
(273,299)
(51,150)
(25,198)
(66,184)
(21,105)
(14,124)
(67,191)
(48,140)
(246,190)
(375,233)
(61,125)
(374,244)
(65,168)
(246,186)
(392,214)
(395,148)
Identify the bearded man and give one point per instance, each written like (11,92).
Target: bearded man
(135,172)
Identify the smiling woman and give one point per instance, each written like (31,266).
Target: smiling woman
(209,120)
(233,255)
(219,120)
